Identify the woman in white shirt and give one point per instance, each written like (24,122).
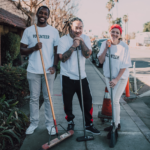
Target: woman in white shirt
(120,62)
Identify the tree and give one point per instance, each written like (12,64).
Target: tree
(109,17)
(132,35)
(146,27)
(110,5)
(125,19)
(117,21)
(105,34)
(60,10)
(28,8)
(127,37)
(116,1)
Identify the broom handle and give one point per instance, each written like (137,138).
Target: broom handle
(48,90)
(110,80)
(81,91)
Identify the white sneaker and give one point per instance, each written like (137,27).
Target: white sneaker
(53,132)
(31,129)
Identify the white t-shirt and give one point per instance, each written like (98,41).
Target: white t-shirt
(70,67)
(120,58)
(49,37)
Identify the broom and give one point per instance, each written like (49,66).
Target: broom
(65,135)
(113,140)
(85,137)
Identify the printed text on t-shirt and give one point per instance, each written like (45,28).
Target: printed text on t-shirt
(41,36)
(112,56)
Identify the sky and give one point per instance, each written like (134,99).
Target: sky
(94,12)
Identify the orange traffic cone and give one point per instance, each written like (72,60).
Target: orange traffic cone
(127,89)
(106,108)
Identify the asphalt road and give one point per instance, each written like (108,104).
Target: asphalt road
(141,57)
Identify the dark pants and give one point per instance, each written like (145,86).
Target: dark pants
(69,88)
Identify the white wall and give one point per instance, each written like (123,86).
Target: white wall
(143,38)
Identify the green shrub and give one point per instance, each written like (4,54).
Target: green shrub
(17,61)
(24,65)
(10,47)
(12,123)
(13,82)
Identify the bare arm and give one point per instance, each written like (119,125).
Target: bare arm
(86,52)
(101,58)
(53,69)
(56,56)
(65,56)
(120,73)
(24,50)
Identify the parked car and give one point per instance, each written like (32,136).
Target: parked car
(95,50)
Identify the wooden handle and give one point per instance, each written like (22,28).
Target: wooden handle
(48,90)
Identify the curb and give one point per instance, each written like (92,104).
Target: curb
(140,124)
(145,94)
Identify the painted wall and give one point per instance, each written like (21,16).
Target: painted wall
(7,5)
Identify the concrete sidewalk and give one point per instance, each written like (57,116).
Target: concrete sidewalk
(130,137)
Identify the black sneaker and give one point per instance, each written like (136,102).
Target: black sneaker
(110,127)
(109,134)
(70,127)
(93,130)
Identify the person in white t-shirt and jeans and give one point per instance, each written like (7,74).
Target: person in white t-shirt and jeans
(69,71)
(49,38)
(120,62)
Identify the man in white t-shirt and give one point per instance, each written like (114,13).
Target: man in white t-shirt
(70,75)
(49,38)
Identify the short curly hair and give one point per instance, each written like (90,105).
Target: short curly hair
(43,7)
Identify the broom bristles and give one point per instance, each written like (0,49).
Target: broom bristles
(56,140)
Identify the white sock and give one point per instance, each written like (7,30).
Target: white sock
(90,125)
(70,122)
